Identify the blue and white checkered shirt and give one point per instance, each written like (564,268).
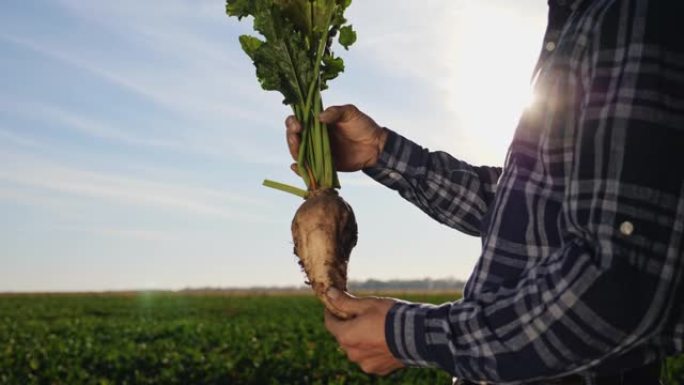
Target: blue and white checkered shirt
(582,230)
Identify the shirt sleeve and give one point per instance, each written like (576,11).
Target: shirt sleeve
(616,283)
(451,191)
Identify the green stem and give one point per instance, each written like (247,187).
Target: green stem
(319,160)
(325,154)
(314,160)
(317,64)
(310,153)
(286,188)
(303,146)
(301,159)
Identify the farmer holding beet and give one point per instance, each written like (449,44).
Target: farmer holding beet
(581,276)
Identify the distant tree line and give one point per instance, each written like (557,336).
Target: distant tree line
(426,284)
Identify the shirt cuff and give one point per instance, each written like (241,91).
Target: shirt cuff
(407,334)
(397,157)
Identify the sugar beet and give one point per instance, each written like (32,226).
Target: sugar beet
(324,232)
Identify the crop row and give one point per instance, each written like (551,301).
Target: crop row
(179,339)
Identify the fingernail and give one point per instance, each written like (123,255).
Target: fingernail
(289,120)
(333,293)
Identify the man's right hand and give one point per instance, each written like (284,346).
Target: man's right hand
(356,139)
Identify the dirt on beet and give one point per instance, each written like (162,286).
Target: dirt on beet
(324,231)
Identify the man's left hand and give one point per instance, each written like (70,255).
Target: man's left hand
(363,337)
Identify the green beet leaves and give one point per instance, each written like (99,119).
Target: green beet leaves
(293,55)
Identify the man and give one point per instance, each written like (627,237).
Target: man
(580,277)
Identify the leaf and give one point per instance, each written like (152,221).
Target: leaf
(250,45)
(309,16)
(344,4)
(338,19)
(268,20)
(281,65)
(239,8)
(322,10)
(347,36)
(298,12)
(295,57)
(332,67)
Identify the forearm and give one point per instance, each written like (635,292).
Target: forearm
(449,190)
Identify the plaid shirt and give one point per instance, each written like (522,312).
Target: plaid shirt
(582,230)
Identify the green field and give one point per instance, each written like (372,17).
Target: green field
(182,339)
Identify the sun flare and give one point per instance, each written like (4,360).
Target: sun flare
(495,49)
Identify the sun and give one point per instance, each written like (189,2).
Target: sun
(495,49)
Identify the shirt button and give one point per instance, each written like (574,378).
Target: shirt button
(627,228)
(550,46)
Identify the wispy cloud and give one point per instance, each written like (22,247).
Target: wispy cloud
(199,95)
(44,174)
(65,119)
(20,140)
(52,117)
(191,72)
(192,69)
(217,125)
(125,233)
(416,47)
(46,201)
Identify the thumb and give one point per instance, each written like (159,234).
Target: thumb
(336,114)
(345,301)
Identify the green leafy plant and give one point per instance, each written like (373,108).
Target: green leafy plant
(294,56)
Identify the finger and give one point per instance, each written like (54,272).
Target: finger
(293,125)
(332,323)
(372,365)
(339,114)
(379,365)
(295,168)
(346,302)
(359,355)
(390,366)
(292,131)
(340,329)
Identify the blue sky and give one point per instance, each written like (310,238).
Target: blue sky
(134,139)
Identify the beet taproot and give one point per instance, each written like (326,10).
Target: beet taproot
(324,231)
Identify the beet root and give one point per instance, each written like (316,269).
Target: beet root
(324,232)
